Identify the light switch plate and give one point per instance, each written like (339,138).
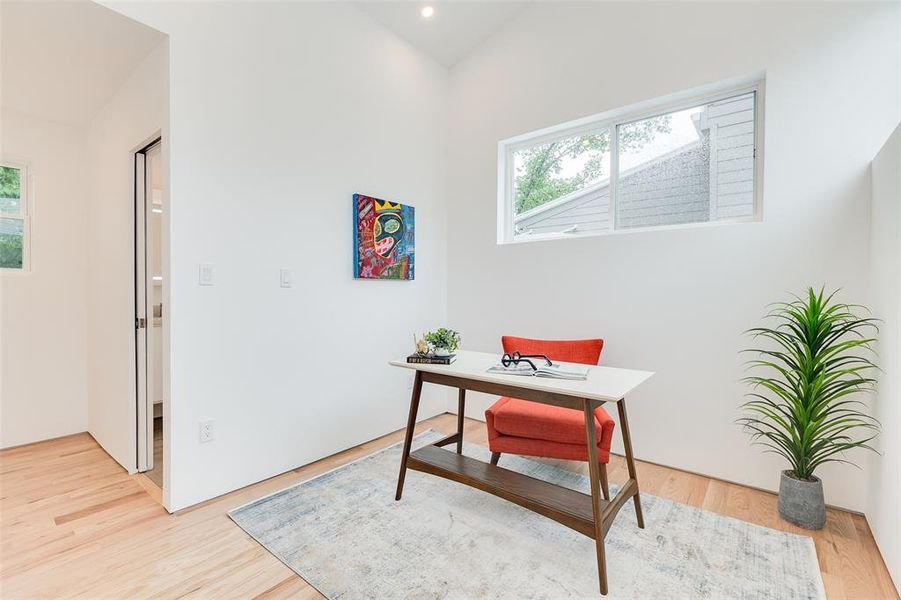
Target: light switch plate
(205,276)
(286,278)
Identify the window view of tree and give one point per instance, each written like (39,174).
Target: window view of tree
(11,229)
(549,171)
(9,182)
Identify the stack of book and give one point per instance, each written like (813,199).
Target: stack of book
(431,359)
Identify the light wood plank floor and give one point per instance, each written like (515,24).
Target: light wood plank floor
(75,525)
(156,473)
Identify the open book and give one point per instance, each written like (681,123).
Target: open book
(554,371)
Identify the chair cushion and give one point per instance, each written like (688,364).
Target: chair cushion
(531,420)
(508,444)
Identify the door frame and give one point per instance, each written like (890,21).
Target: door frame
(143,286)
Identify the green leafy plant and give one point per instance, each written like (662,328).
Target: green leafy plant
(447,339)
(801,405)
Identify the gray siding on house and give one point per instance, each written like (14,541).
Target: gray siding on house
(589,210)
(731,126)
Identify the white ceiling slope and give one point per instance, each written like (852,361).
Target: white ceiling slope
(456,28)
(63,61)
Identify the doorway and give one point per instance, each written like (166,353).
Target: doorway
(150,312)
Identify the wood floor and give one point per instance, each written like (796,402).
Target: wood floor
(75,525)
(156,473)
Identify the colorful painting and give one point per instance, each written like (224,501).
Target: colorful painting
(383,239)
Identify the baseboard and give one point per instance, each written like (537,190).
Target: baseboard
(45,440)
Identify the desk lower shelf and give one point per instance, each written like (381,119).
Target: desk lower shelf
(566,506)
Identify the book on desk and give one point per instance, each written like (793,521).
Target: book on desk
(431,359)
(553,371)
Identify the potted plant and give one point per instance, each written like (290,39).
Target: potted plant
(443,342)
(801,404)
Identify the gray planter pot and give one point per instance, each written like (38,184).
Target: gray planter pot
(801,502)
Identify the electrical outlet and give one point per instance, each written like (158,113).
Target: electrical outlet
(410,378)
(205,274)
(206,431)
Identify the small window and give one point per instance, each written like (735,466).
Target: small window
(663,163)
(14,225)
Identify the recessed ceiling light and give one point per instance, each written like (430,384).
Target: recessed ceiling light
(427,12)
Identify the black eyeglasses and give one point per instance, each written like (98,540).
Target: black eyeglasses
(516,358)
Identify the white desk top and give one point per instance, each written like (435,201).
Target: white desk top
(604,383)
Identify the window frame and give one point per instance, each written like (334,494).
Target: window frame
(24,214)
(610,121)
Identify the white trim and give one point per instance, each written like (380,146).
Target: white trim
(545,237)
(614,167)
(611,120)
(143,368)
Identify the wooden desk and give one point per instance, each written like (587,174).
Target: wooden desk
(589,515)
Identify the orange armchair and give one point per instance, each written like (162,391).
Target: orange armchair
(531,429)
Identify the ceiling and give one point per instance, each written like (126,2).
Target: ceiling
(63,61)
(455,29)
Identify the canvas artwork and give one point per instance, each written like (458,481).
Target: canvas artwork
(383,239)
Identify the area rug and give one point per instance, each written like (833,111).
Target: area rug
(345,535)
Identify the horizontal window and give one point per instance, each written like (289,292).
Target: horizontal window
(13,218)
(662,163)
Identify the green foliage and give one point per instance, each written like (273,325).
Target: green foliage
(538,180)
(9,182)
(10,251)
(443,338)
(818,357)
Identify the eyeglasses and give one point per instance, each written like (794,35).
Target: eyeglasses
(516,358)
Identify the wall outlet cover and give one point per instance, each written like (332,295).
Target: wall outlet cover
(205,274)
(207,433)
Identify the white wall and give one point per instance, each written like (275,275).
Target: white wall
(137,112)
(43,391)
(676,302)
(883,512)
(279,114)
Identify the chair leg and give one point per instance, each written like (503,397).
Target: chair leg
(605,487)
(495,456)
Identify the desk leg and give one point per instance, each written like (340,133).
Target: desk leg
(461,406)
(630,461)
(594,476)
(408,436)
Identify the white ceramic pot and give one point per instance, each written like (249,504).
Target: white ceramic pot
(441,352)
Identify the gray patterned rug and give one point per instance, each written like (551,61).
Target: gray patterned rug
(344,533)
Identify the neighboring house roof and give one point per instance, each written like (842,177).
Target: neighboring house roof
(574,197)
